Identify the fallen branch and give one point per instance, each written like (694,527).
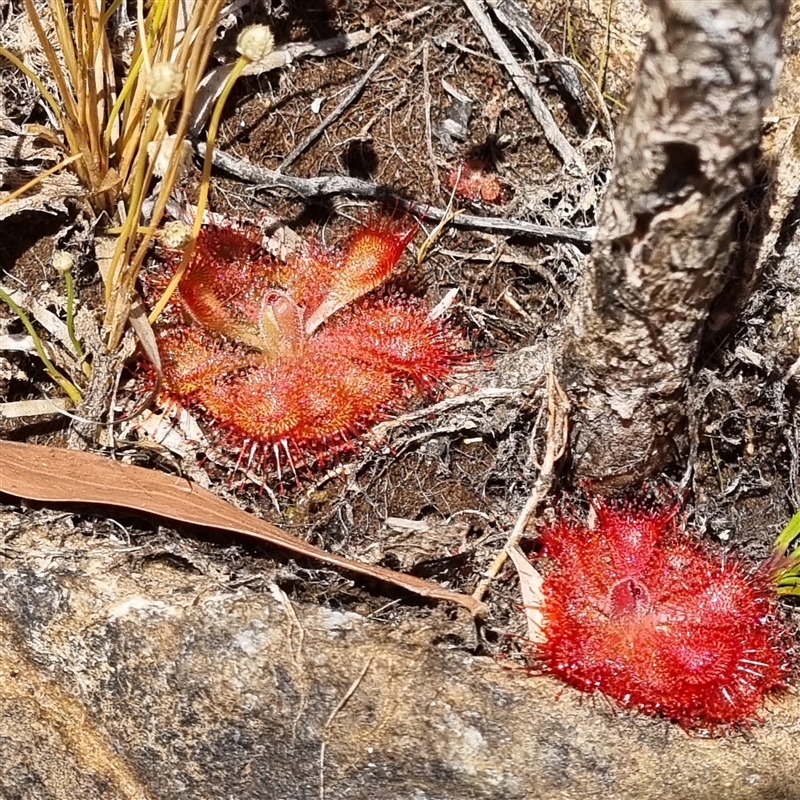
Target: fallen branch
(338,184)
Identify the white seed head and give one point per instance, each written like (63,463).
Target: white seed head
(165,81)
(161,163)
(62,261)
(174,235)
(255,42)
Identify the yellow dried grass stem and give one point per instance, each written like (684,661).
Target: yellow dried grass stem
(39,178)
(205,183)
(106,133)
(192,56)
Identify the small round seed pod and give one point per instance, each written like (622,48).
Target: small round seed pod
(174,235)
(62,261)
(165,81)
(255,42)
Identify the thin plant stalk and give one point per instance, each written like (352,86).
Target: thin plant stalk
(69,388)
(193,64)
(70,285)
(205,183)
(125,241)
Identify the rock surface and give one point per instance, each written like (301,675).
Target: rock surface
(128,678)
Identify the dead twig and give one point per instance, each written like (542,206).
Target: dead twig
(555,446)
(426,92)
(332,117)
(337,184)
(569,155)
(517,19)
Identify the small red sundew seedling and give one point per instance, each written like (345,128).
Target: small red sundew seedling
(293,362)
(635,608)
(471,181)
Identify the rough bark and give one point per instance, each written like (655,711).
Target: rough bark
(685,154)
(129,677)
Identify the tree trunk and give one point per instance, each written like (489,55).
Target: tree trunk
(685,155)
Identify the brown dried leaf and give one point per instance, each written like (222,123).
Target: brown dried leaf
(21,147)
(52,475)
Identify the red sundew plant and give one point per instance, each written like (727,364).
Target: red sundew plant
(472,182)
(633,607)
(294,362)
